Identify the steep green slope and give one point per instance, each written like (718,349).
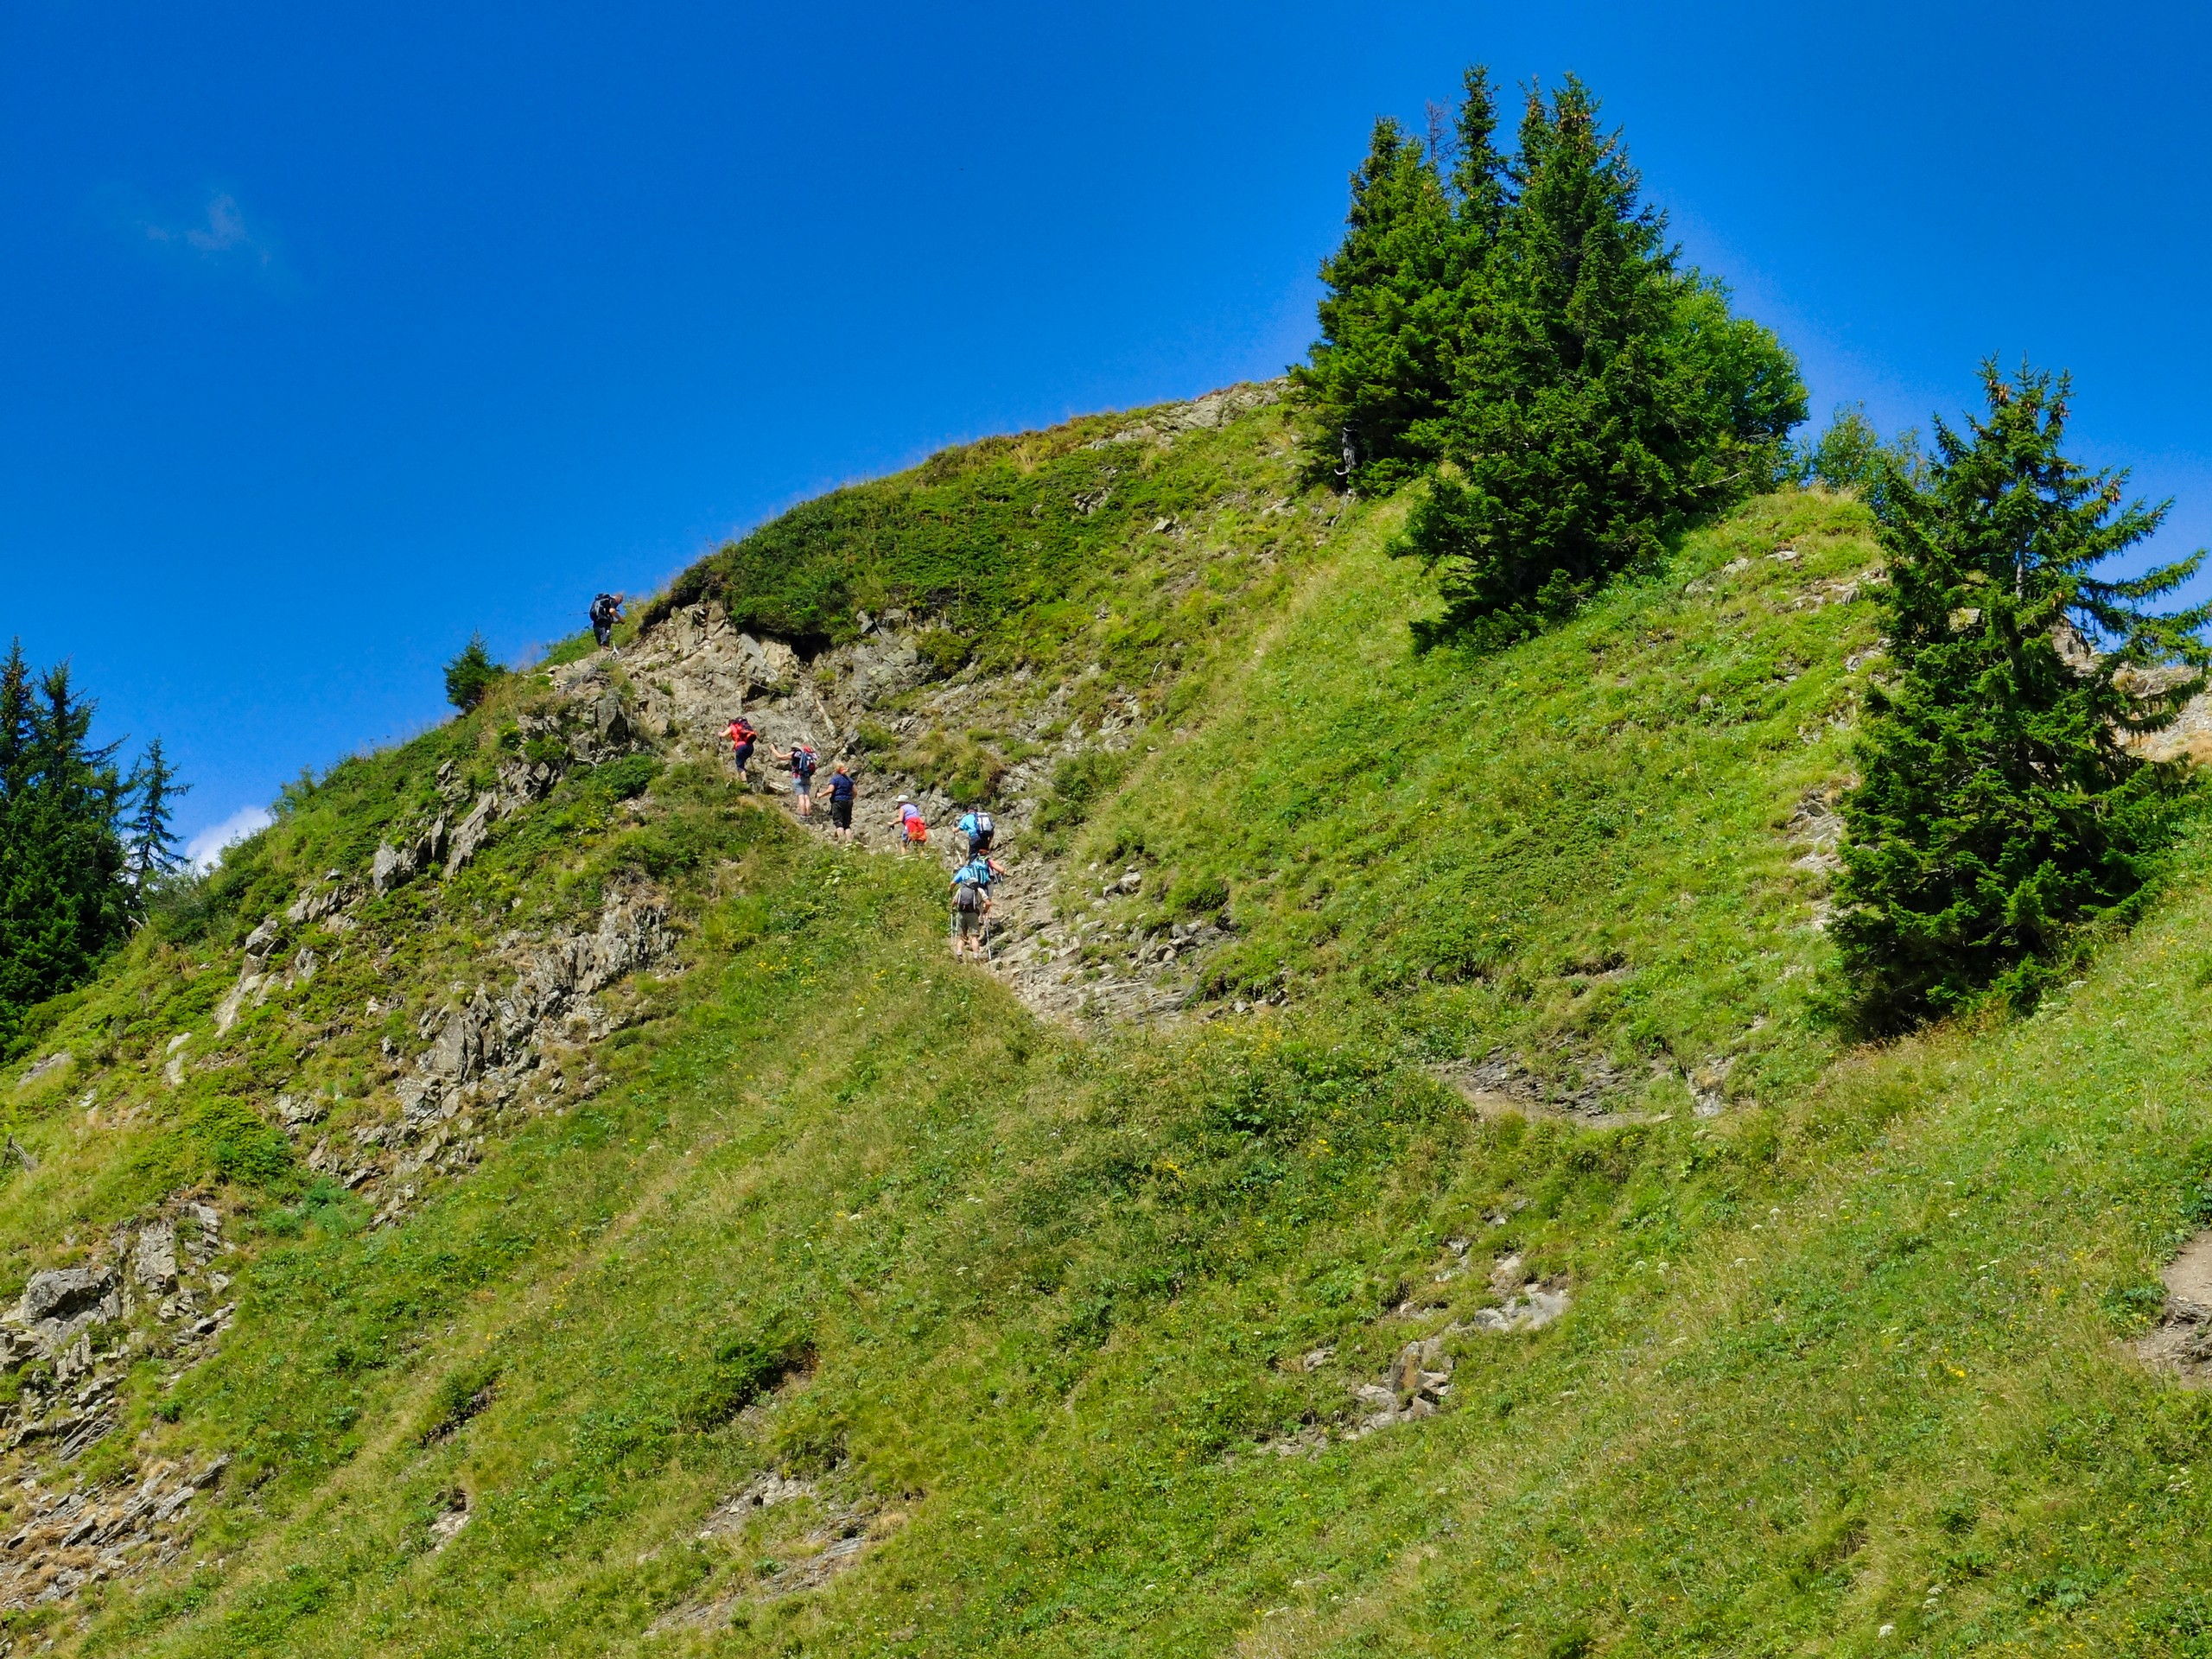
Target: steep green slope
(831,1302)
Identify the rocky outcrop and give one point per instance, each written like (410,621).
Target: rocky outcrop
(1163,426)
(487,1043)
(396,863)
(73,1335)
(81,1537)
(45,1068)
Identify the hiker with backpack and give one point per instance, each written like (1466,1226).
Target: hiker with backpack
(976,877)
(606,612)
(841,790)
(742,739)
(913,828)
(979,830)
(800,759)
(971,911)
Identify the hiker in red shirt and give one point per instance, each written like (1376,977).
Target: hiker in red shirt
(741,737)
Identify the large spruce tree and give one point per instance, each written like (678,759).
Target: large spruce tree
(64,898)
(1603,396)
(1517,328)
(1999,806)
(1417,240)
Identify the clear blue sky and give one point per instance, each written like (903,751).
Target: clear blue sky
(329,334)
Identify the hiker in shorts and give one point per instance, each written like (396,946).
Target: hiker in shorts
(979,873)
(606,612)
(913,828)
(742,739)
(800,759)
(971,910)
(841,790)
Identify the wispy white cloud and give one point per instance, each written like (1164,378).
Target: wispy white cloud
(204,850)
(222,234)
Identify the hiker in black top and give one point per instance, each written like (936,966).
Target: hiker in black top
(606,612)
(841,790)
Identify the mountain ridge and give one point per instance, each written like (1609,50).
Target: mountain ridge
(1424,1210)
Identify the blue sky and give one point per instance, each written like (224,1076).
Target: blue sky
(328,336)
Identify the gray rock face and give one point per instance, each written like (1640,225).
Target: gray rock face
(154,1260)
(391,865)
(491,1039)
(260,943)
(397,862)
(469,835)
(46,1067)
(609,724)
(458,1055)
(693,671)
(521,782)
(1164,426)
(58,1292)
(884,667)
(324,899)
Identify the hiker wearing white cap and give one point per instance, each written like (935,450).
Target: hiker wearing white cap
(913,828)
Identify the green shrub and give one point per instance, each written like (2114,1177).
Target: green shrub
(622,779)
(232,1138)
(745,1365)
(945,651)
(1195,892)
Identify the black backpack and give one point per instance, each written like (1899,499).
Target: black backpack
(803,762)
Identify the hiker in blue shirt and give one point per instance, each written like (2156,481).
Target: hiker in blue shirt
(840,804)
(979,830)
(971,905)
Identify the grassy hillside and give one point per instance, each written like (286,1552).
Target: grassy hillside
(1008,1341)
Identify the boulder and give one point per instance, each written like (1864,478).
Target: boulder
(609,725)
(261,942)
(458,1055)
(60,1292)
(46,1067)
(391,865)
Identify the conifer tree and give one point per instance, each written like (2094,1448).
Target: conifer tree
(1403,289)
(63,902)
(1602,396)
(1380,367)
(471,674)
(152,847)
(1998,806)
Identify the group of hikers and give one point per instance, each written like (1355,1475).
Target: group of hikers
(971,882)
(802,763)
